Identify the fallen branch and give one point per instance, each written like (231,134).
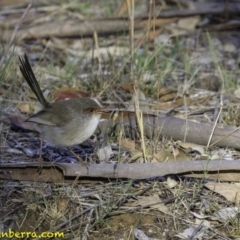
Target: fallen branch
(85,28)
(183,130)
(50,172)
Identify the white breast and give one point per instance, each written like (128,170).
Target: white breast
(90,127)
(71,134)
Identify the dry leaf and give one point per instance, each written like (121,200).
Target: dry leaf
(188,23)
(105,53)
(149,200)
(175,152)
(197,230)
(142,100)
(184,25)
(127,143)
(171,183)
(128,87)
(201,217)
(30,108)
(222,154)
(168,97)
(173,104)
(229,47)
(230,191)
(104,153)
(162,155)
(162,91)
(65,93)
(190,147)
(226,214)
(136,155)
(24,107)
(140,235)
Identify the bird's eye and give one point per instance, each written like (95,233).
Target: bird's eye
(90,109)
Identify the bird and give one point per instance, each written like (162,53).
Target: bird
(64,123)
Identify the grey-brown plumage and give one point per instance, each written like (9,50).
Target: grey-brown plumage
(64,123)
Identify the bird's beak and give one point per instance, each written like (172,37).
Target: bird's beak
(102,110)
(106,113)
